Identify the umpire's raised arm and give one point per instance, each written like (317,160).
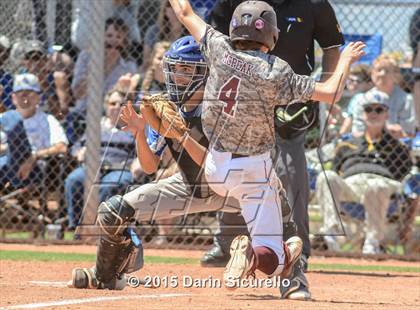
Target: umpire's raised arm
(185,14)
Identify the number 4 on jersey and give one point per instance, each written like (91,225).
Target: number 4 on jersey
(228,94)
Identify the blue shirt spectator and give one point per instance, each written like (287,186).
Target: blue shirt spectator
(401,111)
(37,61)
(31,135)
(115,65)
(125,10)
(385,77)
(111,78)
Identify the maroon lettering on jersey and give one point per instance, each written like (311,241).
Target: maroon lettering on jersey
(237,64)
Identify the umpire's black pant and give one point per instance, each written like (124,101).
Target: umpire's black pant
(291,169)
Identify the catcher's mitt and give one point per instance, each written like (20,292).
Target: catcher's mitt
(162,116)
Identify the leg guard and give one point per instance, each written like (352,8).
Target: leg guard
(114,215)
(120,250)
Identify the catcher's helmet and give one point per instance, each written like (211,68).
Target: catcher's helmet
(185,69)
(254,21)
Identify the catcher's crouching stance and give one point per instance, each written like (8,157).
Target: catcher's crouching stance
(119,250)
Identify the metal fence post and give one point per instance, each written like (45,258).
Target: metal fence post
(95,31)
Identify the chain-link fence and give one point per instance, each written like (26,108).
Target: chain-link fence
(67,66)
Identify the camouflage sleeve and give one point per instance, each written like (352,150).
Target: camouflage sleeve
(294,87)
(213,45)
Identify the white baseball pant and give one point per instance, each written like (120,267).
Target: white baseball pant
(254,183)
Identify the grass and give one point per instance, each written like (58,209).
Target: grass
(68,235)
(78,257)
(369,268)
(18,235)
(390,249)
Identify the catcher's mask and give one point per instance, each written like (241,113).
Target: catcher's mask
(185,69)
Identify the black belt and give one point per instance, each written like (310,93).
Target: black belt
(238,155)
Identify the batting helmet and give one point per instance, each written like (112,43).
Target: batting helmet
(254,21)
(185,69)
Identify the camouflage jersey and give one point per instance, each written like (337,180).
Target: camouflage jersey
(240,95)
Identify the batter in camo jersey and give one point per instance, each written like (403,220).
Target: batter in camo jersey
(243,87)
(242,90)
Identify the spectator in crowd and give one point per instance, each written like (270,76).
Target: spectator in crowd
(117,154)
(62,70)
(415,45)
(366,170)
(358,82)
(154,79)
(6,79)
(386,77)
(36,61)
(31,135)
(126,10)
(115,66)
(167,28)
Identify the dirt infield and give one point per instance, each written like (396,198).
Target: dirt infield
(40,284)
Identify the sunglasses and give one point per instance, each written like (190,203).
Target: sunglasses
(377,110)
(34,56)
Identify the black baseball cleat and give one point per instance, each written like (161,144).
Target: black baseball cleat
(85,278)
(215,257)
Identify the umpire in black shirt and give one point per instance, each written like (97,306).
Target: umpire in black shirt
(300,23)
